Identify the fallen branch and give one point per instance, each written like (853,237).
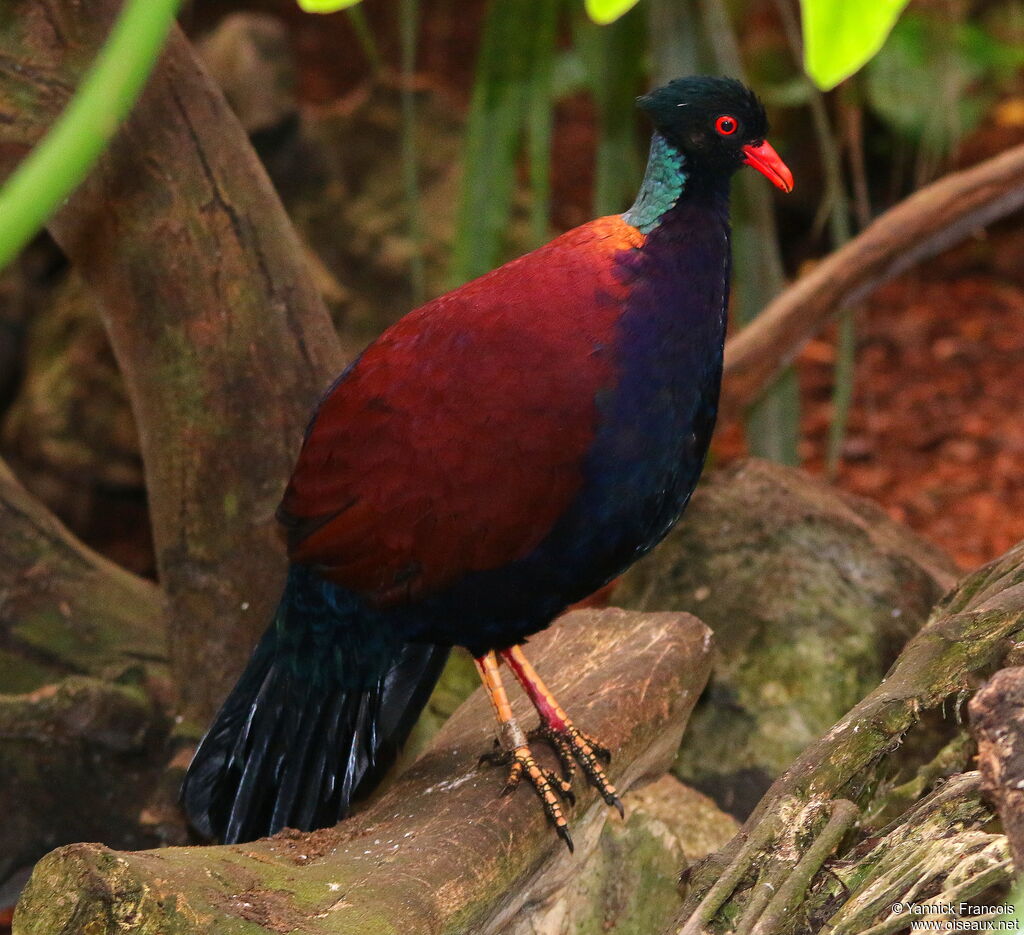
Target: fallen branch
(439,852)
(928,222)
(64,609)
(218,328)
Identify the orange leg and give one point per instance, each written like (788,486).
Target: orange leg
(571,744)
(516,750)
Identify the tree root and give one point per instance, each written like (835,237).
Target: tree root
(216,323)
(968,633)
(64,610)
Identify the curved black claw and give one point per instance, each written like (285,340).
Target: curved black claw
(560,745)
(548,786)
(573,746)
(496,756)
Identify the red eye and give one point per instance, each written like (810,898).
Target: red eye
(726,125)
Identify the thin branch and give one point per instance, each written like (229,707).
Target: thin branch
(791,893)
(928,222)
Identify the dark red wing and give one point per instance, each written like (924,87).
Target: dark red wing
(458,438)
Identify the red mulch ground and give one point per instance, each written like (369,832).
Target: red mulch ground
(936,434)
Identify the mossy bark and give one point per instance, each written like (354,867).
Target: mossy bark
(66,610)
(936,848)
(80,761)
(440,851)
(627,885)
(968,634)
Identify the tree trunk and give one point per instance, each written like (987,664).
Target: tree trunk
(221,335)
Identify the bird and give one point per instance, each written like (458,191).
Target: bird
(495,456)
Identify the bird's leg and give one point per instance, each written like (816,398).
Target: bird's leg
(568,740)
(516,750)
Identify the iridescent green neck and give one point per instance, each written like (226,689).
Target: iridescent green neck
(662,185)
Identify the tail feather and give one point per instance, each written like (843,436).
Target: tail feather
(300,738)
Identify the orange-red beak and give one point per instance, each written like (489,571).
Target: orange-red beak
(770,165)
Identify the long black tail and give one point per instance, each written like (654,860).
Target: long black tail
(316,719)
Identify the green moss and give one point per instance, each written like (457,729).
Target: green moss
(19,675)
(810,600)
(51,632)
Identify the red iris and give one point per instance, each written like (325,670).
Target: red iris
(726,125)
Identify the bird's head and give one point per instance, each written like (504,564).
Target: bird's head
(718,124)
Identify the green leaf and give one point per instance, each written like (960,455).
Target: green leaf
(840,36)
(604,12)
(52,170)
(325,6)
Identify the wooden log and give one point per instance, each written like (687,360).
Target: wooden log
(440,851)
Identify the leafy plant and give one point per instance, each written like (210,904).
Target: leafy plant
(326,6)
(840,36)
(511,95)
(613,56)
(604,12)
(935,79)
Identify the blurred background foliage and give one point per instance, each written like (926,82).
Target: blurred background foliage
(884,131)
(418,143)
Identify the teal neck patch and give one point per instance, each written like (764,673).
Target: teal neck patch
(662,185)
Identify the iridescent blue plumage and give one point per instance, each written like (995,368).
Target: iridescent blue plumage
(495,456)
